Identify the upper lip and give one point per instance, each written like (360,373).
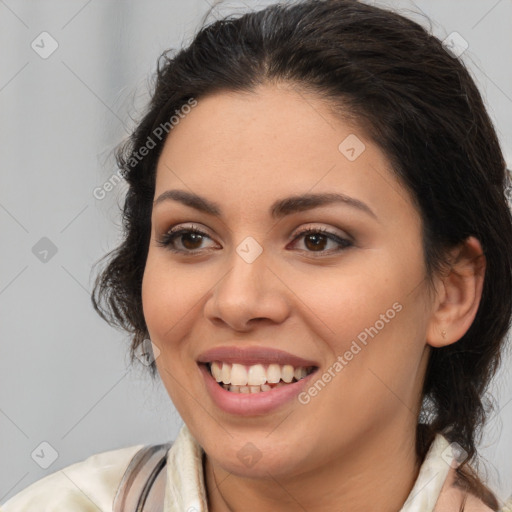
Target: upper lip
(253,355)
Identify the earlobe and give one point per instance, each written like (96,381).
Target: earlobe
(461,288)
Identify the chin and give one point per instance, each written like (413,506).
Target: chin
(260,458)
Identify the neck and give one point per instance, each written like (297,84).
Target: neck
(376,473)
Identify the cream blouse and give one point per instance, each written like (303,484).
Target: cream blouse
(90,485)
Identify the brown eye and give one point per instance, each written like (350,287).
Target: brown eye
(318,239)
(315,241)
(191,240)
(183,240)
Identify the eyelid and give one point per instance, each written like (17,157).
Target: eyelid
(343,240)
(323,229)
(192,227)
(174,231)
(187,227)
(298,232)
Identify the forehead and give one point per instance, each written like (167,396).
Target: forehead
(275,141)
(271,123)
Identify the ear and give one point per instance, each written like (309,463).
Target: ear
(458,294)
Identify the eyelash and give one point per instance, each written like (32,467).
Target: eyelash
(168,239)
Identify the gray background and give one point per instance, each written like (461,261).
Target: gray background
(64,374)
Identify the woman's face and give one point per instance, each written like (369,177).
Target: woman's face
(267,303)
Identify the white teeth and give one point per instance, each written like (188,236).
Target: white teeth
(256,375)
(273,373)
(250,389)
(238,375)
(240,378)
(300,373)
(226,373)
(287,373)
(216,371)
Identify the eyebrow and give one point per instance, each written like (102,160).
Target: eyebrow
(279,208)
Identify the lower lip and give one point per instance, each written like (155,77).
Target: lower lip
(251,404)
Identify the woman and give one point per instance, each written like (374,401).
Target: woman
(317,245)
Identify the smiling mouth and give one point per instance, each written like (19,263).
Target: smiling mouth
(239,378)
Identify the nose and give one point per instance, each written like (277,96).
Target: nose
(249,294)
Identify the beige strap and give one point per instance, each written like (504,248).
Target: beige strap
(142,487)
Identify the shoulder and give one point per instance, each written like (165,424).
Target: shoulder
(88,485)
(453,498)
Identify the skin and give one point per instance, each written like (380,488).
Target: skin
(352,445)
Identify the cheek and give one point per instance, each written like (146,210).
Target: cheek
(168,296)
(343,302)
(371,319)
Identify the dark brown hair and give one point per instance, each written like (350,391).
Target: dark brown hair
(419,104)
